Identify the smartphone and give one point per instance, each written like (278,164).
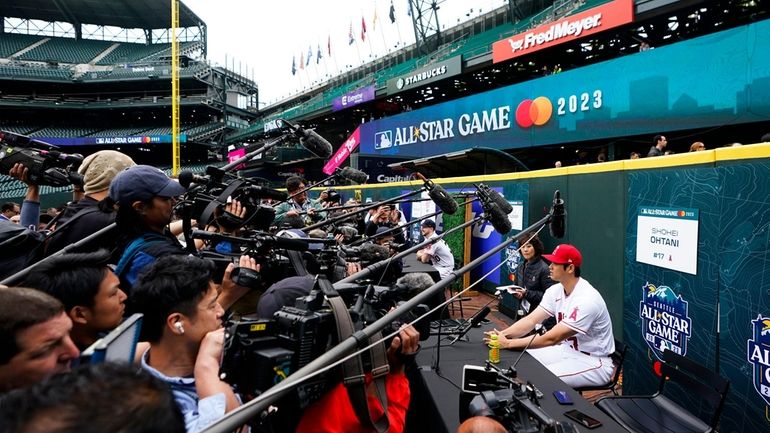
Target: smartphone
(562,397)
(583,419)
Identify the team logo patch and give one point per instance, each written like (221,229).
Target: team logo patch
(383,140)
(665,320)
(758,354)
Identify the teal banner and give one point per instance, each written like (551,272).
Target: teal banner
(664,89)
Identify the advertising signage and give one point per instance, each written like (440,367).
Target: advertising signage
(616,98)
(350,99)
(595,20)
(131,139)
(429,74)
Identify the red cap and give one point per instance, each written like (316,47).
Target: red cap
(565,254)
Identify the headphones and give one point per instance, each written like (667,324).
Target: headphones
(179,327)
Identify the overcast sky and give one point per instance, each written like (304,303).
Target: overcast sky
(260,38)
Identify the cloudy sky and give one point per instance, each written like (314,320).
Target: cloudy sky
(261,38)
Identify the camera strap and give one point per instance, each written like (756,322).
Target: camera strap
(208,213)
(354,377)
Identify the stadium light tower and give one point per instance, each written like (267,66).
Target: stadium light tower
(425,21)
(175,163)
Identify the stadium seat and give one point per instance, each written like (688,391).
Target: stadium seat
(659,414)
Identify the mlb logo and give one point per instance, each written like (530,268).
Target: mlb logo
(383,140)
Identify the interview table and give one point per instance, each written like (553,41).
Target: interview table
(446,394)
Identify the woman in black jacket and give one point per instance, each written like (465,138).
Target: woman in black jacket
(533,277)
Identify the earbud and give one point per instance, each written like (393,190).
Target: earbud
(179,327)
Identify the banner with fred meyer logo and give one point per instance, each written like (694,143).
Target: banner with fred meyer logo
(595,20)
(668,238)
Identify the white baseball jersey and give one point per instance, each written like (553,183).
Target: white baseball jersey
(585,312)
(441,257)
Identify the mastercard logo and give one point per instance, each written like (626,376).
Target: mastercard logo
(146,139)
(681,213)
(534,112)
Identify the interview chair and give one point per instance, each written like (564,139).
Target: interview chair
(659,414)
(618,356)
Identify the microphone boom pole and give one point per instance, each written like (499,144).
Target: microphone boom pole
(363,209)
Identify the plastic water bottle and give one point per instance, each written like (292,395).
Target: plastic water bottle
(494,349)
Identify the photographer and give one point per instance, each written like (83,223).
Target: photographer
(382,218)
(183,324)
(296,204)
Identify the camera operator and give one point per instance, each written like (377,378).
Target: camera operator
(145,199)
(183,324)
(297,204)
(334,413)
(87,216)
(382,218)
(29,214)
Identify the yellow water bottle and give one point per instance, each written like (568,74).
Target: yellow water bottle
(494,349)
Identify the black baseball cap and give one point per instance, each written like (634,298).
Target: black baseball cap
(142,183)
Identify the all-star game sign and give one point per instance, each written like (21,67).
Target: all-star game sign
(668,238)
(665,320)
(758,354)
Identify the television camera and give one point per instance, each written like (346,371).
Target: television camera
(45,163)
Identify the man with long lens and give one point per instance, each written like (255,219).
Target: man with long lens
(299,203)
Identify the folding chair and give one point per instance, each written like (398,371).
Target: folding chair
(659,414)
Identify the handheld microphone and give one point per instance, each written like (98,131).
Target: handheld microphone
(539,330)
(187,178)
(558,216)
(473,323)
(441,197)
(311,140)
(353,175)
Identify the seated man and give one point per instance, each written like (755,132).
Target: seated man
(94,397)
(34,338)
(183,324)
(438,254)
(578,348)
(88,289)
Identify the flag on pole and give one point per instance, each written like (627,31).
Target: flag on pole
(363,29)
(319,56)
(329,45)
(392,13)
(309,54)
(374,20)
(293,65)
(351,38)
(301,61)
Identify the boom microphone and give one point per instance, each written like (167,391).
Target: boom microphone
(265,192)
(276,241)
(353,175)
(310,140)
(558,216)
(497,217)
(418,281)
(441,197)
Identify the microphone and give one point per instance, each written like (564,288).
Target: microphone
(441,197)
(474,322)
(187,178)
(539,330)
(311,140)
(417,281)
(496,197)
(558,216)
(496,217)
(353,175)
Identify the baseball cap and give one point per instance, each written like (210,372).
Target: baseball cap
(565,254)
(141,183)
(383,229)
(429,223)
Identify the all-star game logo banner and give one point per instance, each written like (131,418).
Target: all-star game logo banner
(665,320)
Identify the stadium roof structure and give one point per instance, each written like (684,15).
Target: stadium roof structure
(141,14)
